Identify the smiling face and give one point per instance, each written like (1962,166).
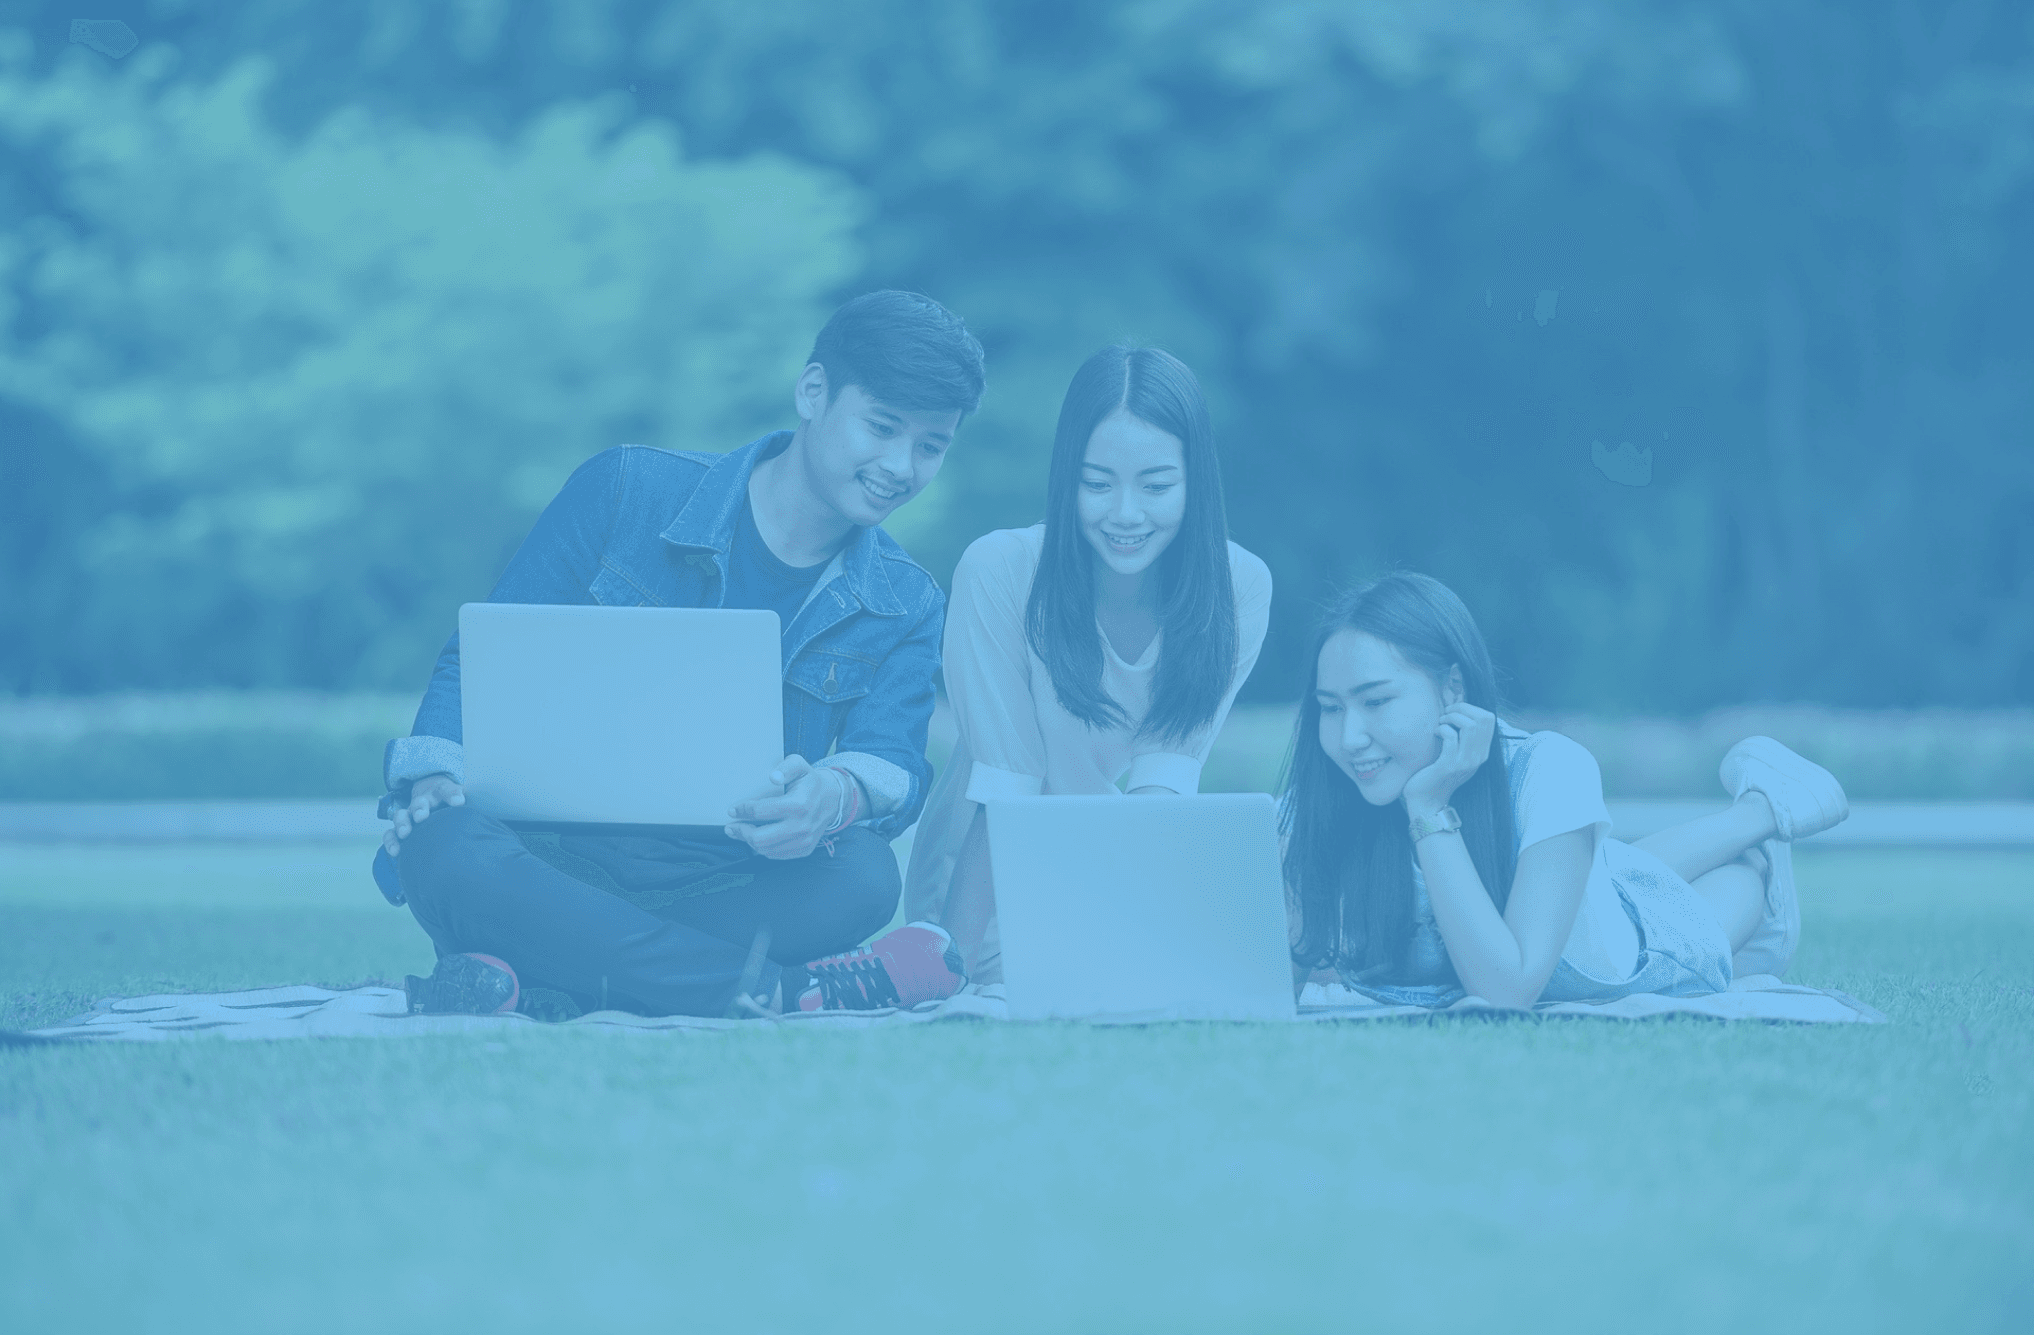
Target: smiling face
(1133,492)
(864,458)
(1378,713)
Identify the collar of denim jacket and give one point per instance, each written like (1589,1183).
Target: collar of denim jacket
(707,522)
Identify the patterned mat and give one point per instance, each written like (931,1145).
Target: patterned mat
(304,1012)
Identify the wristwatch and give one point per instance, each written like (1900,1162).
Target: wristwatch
(1441,824)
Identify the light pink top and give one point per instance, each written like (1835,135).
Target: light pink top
(1015,738)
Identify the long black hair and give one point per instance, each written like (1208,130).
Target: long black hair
(1349,864)
(1198,608)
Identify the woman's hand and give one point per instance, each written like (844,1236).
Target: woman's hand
(429,792)
(1465,731)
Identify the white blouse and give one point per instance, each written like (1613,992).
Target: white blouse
(1016,740)
(1557,788)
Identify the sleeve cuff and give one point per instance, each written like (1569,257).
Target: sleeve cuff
(1166,770)
(986,783)
(1597,830)
(887,784)
(410,759)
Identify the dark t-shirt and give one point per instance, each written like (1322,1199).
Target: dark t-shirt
(757,578)
(651,871)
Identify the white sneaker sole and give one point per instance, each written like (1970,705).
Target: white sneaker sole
(1806,799)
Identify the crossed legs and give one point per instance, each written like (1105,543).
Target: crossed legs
(1781,796)
(1719,856)
(474,886)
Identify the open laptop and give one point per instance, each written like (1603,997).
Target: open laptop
(652,716)
(1141,908)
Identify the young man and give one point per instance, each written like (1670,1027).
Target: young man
(663,923)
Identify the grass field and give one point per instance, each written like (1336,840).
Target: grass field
(1456,1174)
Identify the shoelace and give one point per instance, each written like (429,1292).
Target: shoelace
(854,981)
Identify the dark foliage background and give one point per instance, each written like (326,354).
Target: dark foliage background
(1691,343)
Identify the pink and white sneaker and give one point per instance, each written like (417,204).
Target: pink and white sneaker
(916,963)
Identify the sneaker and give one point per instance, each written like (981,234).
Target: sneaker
(549,1004)
(1806,799)
(467,984)
(916,963)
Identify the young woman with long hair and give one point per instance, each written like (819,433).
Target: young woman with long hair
(1434,851)
(1100,648)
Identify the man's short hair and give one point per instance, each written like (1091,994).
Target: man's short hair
(904,349)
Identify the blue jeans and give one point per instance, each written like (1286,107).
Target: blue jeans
(673,934)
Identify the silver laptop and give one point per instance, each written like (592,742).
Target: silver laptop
(1141,908)
(658,716)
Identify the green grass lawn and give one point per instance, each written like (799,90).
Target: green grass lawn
(1463,1173)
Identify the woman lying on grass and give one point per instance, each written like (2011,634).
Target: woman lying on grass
(1434,850)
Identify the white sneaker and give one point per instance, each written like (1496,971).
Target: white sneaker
(1806,799)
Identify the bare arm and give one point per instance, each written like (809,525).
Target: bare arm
(1503,959)
(1507,960)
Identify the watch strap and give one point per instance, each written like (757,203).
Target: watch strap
(1439,824)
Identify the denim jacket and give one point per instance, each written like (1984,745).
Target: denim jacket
(637,526)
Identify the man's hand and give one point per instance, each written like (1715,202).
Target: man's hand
(429,792)
(802,805)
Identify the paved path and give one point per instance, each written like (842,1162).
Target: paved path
(1968,825)
(2000,824)
(173,822)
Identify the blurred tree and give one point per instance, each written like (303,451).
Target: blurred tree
(1432,259)
(321,385)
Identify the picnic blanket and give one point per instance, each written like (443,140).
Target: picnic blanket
(303,1012)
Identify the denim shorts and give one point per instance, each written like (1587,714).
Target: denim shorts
(1683,951)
